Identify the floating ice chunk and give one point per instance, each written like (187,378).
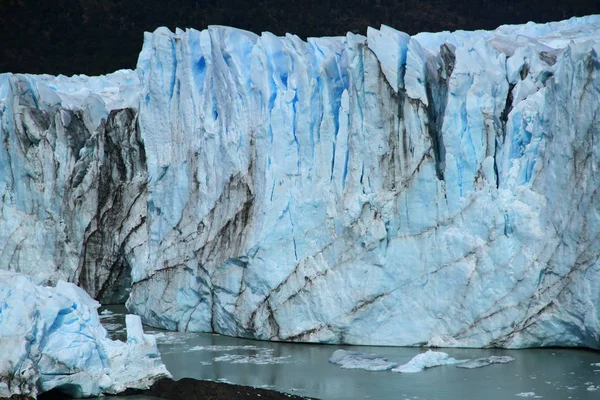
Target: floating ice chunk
(428,359)
(262,358)
(172,337)
(106,312)
(225,348)
(595,364)
(526,394)
(357,360)
(484,362)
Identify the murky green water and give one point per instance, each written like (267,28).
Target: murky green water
(304,369)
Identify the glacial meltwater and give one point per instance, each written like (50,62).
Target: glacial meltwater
(304,369)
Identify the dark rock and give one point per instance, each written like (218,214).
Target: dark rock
(186,389)
(17,397)
(192,389)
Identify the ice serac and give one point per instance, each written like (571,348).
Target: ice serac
(439,189)
(72,180)
(51,338)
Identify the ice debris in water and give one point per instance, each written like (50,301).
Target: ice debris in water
(225,348)
(169,338)
(260,358)
(357,360)
(484,362)
(106,312)
(373,362)
(428,359)
(51,338)
(528,394)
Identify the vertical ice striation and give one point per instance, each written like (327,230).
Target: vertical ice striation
(438,189)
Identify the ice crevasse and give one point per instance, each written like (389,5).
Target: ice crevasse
(438,189)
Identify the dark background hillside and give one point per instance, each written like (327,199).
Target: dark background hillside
(101,36)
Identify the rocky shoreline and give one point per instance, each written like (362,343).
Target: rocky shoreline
(189,389)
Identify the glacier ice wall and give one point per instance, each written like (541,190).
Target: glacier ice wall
(51,338)
(72,180)
(439,189)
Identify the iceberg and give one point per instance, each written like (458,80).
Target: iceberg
(430,190)
(357,360)
(429,359)
(484,362)
(51,338)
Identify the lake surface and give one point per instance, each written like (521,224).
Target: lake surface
(304,369)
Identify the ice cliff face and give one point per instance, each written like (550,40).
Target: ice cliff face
(439,189)
(51,338)
(72,180)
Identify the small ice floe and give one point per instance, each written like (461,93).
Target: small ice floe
(595,364)
(107,312)
(528,394)
(357,360)
(266,387)
(173,337)
(428,359)
(224,348)
(592,388)
(264,357)
(484,362)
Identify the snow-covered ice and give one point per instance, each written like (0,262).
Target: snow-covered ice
(357,360)
(51,337)
(429,359)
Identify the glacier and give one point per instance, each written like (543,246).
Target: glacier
(51,338)
(439,189)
